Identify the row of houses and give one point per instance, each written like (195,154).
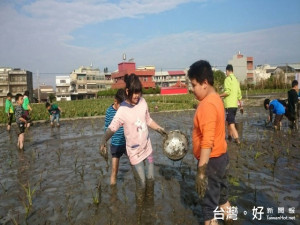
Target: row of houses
(86,81)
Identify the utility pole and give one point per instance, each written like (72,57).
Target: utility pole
(38,84)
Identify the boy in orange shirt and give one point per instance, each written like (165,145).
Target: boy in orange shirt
(209,144)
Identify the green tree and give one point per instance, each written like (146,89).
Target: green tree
(51,97)
(219,78)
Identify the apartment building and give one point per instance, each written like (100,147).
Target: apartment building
(85,82)
(63,88)
(14,81)
(243,68)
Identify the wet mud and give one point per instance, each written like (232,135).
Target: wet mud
(61,178)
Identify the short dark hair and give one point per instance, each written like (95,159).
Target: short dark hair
(294,83)
(26,93)
(47,104)
(120,95)
(266,102)
(133,84)
(18,96)
(229,68)
(201,71)
(9,95)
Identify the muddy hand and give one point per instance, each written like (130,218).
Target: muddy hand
(242,110)
(103,152)
(201,181)
(162,131)
(267,122)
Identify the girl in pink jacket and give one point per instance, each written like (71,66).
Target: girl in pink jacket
(134,116)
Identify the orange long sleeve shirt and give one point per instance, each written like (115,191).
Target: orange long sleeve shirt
(209,127)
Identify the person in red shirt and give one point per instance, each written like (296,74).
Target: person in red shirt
(209,144)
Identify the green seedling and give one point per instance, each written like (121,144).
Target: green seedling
(81,172)
(14,221)
(10,163)
(234,181)
(233,198)
(288,151)
(162,190)
(258,154)
(29,196)
(96,196)
(69,213)
(75,163)
(58,153)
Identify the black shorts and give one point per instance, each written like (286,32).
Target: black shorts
(21,127)
(117,150)
(277,120)
(230,115)
(217,188)
(9,118)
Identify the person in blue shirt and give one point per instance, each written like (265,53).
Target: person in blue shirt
(276,107)
(118,143)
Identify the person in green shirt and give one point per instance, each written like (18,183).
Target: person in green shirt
(27,107)
(232,99)
(54,112)
(9,110)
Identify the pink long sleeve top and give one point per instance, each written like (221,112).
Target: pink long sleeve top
(135,120)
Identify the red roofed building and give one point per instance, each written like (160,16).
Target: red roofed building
(124,68)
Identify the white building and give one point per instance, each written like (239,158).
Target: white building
(263,72)
(63,88)
(169,78)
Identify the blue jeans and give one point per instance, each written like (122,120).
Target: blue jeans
(55,116)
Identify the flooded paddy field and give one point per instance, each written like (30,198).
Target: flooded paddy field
(61,178)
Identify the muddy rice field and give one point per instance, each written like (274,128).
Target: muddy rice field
(61,178)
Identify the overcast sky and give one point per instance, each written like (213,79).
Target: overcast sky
(56,37)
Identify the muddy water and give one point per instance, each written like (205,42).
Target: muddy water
(69,181)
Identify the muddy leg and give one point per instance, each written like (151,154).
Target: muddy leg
(140,181)
(150,191)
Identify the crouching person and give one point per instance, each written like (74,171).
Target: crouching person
(277,108)
(54,112)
